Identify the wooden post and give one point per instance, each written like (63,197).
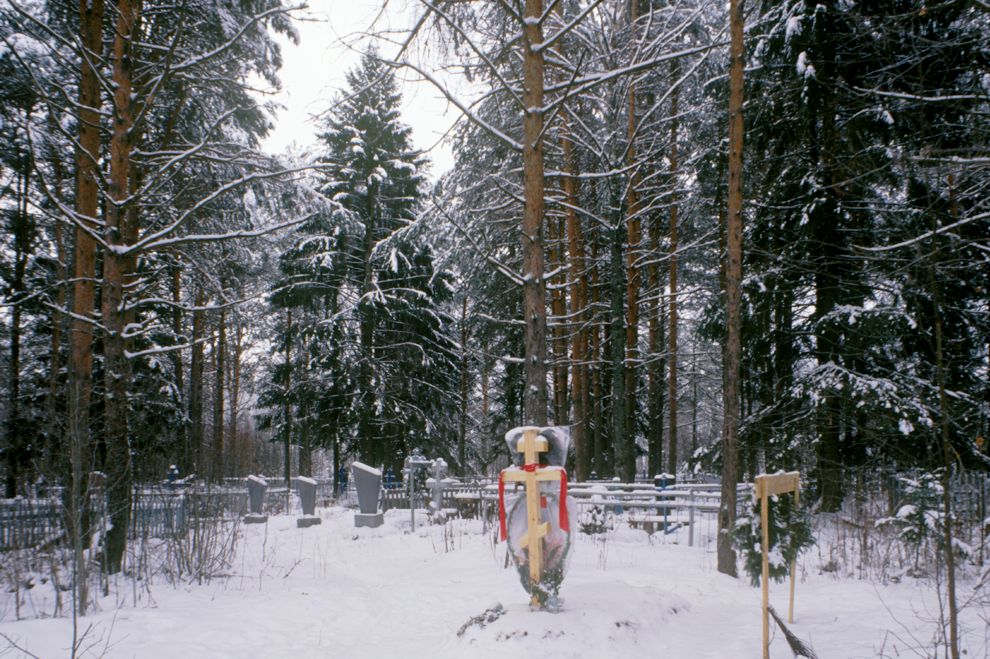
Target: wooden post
(761,491)
(797,505)
(531,445)
(766,486)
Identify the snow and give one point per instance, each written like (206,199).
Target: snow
(805,68)
(258,479)
(363,467)
(793,28)
(334,590)
(307,480)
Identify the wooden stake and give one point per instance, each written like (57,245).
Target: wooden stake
(766,486)
(797,505)
(761,490)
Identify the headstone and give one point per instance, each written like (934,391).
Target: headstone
(257,486)
(367,482)
(414,470)
(307,499)
(436,484)
(172,477)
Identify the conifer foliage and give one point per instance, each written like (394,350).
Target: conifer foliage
(371,368)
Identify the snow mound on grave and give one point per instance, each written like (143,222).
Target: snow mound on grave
(600,618)
(366,468)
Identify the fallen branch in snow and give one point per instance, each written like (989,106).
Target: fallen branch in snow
(484,619)
(798,646)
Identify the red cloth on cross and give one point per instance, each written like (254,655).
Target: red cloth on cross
(563,520)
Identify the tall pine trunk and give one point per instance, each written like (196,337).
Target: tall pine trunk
(219,358)
(672,397)
(287,427)
(595,360)
(578,308)
(657,365)
(617,352)
(462,421)
(80,365)
(53,419)
(234,392)
(733,295)
(17,441)
(195,448)
(118,266)
(948,452)
(626,439)
(558,307)
(182,432)
(534,287)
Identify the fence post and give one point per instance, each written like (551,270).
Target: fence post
(691,518)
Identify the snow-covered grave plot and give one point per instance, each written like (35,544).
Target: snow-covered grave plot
(338,591)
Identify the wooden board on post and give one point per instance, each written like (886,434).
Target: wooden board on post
(531,445)
(766,486)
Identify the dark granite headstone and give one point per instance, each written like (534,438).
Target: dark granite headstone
(257,486)
(368,483)
(307,499)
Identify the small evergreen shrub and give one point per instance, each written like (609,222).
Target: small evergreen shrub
(790,534)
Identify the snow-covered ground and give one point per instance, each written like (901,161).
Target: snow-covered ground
(336,591)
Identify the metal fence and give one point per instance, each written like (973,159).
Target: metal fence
(163,510)
(156,512)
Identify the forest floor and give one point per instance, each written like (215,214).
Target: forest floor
(336,591)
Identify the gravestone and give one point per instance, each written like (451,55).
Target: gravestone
(307,499)
(368,483)
(257,486)
(415,468)
(435,483)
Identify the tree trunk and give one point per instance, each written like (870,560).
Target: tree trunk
(534,287)
(733,294)
(595,359)
(117,270)
(53,419)
(617,353)
(305,442)
(80,366)
(948,461)
(627,439)
(558,307)
(186,458)
(672,314)
(196,446)
(287,452)
(657,367)
(219,356)
(18,444)
(367,445)
(578,308)
(234,389)
(462,429)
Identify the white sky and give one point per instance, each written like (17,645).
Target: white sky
(330,44)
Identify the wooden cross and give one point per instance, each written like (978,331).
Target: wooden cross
(531,444)
(767,486)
